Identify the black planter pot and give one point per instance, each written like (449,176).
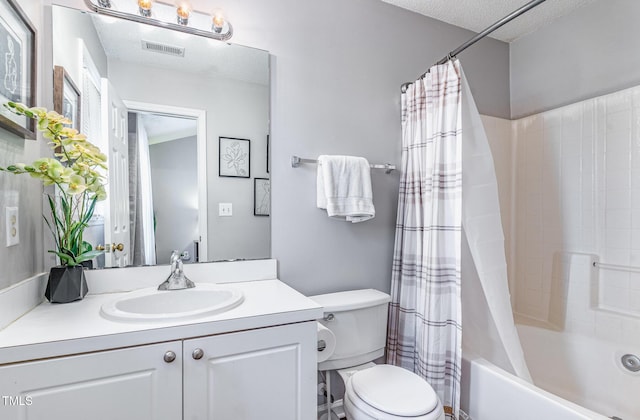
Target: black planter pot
(66,284)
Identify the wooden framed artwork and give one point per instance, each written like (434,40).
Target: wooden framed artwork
(66,96)
(17,67)
(261,197)
(234,157)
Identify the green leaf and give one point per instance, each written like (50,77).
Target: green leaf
(56,220)
(65,259)
(85,247)
(88,256)
(53,232)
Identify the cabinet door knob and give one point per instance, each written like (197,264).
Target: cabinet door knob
(169,356)
(197,354)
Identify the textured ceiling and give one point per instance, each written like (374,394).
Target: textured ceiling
(477,15)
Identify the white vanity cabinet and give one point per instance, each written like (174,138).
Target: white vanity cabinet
(127,384)
(262,374)
(258,374)
(256,361)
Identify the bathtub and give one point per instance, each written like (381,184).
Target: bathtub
(490,393)
(583,369)
(576,377)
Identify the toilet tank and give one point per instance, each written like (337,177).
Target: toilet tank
(358,319)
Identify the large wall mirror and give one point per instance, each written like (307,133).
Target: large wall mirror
(185,122)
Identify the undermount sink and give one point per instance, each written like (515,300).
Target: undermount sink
(153,305)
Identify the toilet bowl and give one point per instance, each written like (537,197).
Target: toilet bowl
(385,392)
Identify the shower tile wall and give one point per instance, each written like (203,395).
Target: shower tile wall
(576,172)
(554,199)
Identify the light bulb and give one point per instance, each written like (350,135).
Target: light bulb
(144,7)
(182,13)
(218,23)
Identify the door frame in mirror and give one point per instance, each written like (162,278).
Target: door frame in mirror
(200,116)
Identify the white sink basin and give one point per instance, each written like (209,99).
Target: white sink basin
(152,305)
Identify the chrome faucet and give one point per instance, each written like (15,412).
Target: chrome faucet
(176,280)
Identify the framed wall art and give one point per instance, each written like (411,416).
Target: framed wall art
(66,96)
(17,67)
(261,197)
(235,157)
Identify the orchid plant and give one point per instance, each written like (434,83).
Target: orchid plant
(76,172)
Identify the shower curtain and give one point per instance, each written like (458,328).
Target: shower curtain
(143,240)
(425,332)
(489,330)
(449,246)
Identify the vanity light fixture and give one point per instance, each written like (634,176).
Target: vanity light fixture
(180,17)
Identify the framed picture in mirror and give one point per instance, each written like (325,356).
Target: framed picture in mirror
(235,157)
(261,197)
(18,67)
(66,96)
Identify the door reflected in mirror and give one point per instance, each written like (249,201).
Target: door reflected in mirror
(157,102)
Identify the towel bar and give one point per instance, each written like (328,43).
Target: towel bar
(616,267)
(297,161)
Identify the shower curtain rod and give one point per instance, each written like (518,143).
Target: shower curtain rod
(481,35)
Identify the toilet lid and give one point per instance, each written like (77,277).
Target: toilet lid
(394,390)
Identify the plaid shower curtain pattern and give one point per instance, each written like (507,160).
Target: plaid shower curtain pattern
(425,331)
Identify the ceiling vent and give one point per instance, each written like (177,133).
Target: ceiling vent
(162,48)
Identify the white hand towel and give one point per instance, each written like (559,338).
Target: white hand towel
(344,188)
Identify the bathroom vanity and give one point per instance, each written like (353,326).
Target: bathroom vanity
(254,361)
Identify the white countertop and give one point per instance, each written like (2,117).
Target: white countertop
(51,330)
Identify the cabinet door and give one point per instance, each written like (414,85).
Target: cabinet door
(128,384)
(263,374)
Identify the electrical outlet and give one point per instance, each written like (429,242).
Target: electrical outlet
(12,226)
(225,209)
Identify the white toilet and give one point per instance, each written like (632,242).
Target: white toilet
(358,319)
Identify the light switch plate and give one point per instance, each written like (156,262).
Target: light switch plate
(12,225)
(225,209)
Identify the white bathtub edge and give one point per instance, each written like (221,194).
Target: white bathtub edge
(490,393)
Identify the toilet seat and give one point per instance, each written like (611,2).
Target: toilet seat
(387,392)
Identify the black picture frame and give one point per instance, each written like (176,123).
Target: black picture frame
(18,72)
(268,150)
(66,96)
(234,157)
(261,196)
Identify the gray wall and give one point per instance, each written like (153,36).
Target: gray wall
(337,67)
(26,259)
(174,179)
(70,26)
(591,52)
